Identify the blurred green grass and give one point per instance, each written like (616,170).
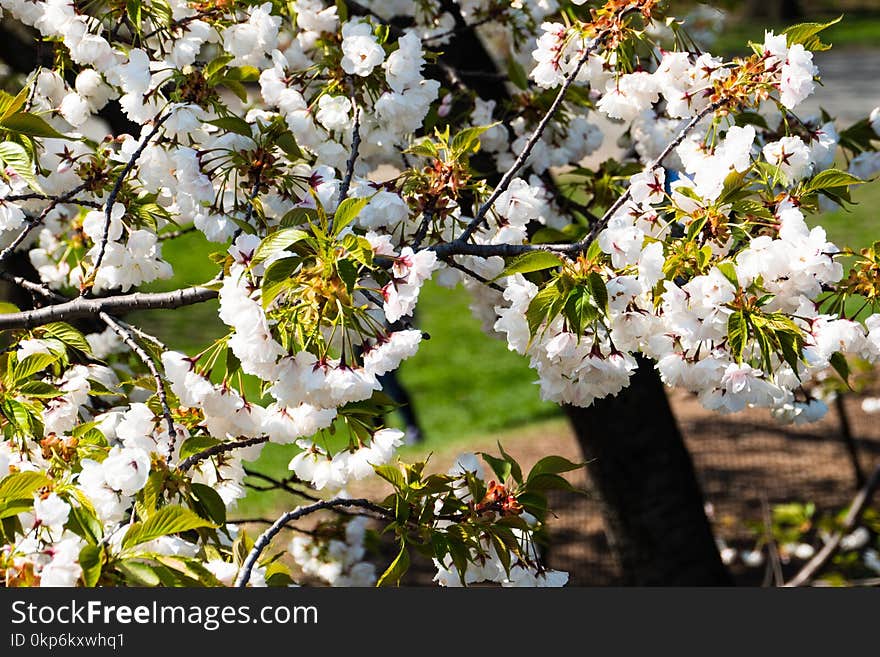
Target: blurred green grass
(858,225)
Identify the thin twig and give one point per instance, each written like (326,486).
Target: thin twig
(117,187)
(856,509)
(482,279)
(30,286)
(126,336)
(774,563)
(282,484)
(266,537)
(422,231)
(177,233)
(352,157)
(459,28)
(508,176)
(37,196)
(654,164)
(33,223)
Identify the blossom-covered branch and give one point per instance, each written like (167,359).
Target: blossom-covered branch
(263,540)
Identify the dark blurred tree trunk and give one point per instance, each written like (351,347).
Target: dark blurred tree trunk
(645,480)
(778,10)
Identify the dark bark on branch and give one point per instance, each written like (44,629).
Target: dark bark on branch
(216,450)
(644,476)
(91,307)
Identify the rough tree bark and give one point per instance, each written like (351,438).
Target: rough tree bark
(651,500)
(644,477)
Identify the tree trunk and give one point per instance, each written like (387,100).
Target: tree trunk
(645,480)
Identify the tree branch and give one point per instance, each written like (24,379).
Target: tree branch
(477,277)
(352,158)
(266,537)
(654,164)
(117,186)
(86,307)
(126,336)
(33,223)
(221,448)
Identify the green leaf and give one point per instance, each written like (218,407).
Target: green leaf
(342,10)
(858,136)
(22,485)
(545,306)
(599,291)
(500,467)
(10,104)
(467,141)
(737,334)
(515,470)
(791,346)
(832,178)
(751,118)
(391,474)
(517,74)
(243,74)
(90,560)
(16,157)
(347,212)
(806,34)
(728,270)
(196,444)
(280,270)
(147,500)
(138,573)
(133,9)
(209,503)
(551,482)
(552,465)
(68,335)
(424,147)
(533,502)
(170,519)
(579,309)
(276,243)
(299,217)
(287,143)
(216,65)
(233,124)
(235,87)
(840,365)
(39,390)
(33,364)
(348,272)
(397,569)
(11,508)
(83,522)
(30,125)
(529,262)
